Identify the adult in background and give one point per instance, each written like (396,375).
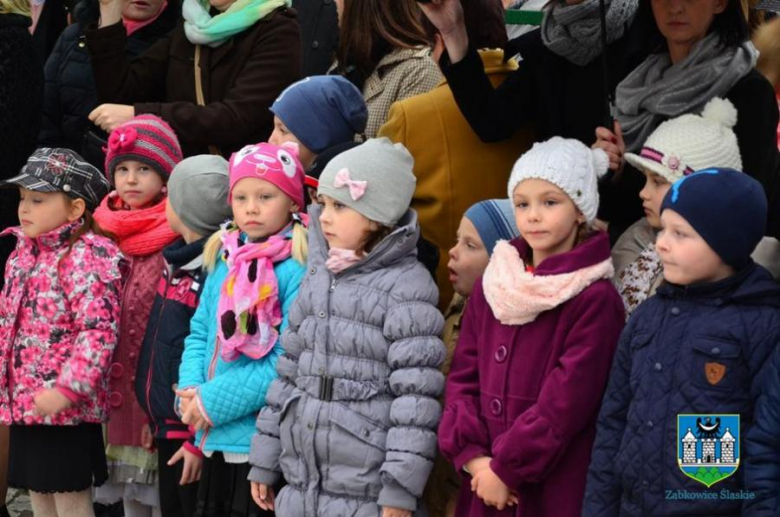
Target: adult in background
(454,168)
(212,78)
(319,22)
(70,93)
(700,50)
(21,96)
(559,89)
(384,51)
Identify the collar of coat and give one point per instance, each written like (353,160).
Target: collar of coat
(517,296)
(52,240)
(401,243)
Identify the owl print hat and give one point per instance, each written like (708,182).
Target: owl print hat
(276,164)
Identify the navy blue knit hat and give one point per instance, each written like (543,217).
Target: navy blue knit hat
(494,220)
(322,111)
(726,207)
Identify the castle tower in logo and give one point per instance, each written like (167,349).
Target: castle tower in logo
(708,446)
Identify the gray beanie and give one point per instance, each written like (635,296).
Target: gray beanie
(375,179)
(198,193)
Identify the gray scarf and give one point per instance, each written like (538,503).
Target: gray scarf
(657,90)
(574,31)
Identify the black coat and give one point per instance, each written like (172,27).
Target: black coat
(319,22)
(70,92)
(557,98)
(21,98)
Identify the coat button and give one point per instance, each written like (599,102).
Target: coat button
(501,354)
(322,314)
(132,332)
(496,407)
(366,433)
(315,44)
(658,367)
(116,370)
(312,270)
(115,399)
(649,424)
(675,311)
(131,355)
(716,351)
(310,425)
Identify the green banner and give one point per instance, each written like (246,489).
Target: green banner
(516,17)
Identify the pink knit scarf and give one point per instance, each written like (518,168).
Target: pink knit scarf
(137,232)
(249,310)
(517,296)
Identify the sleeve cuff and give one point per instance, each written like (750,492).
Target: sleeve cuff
(147,108)
(263,476)
(505,474)
(463,68)
(190,447)
(468,454)
(394,495)
(202,409)
(69,394)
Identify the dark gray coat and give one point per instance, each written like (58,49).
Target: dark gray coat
(351,421)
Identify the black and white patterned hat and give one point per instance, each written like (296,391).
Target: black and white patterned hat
(62,170)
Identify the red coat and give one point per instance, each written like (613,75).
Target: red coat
(528,395)
(127,417)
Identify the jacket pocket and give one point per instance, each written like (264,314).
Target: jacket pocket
(716,364)
(356,452)
(639,358)
(289,438)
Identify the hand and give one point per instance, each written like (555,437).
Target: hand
(192,465)
(387,511)
(111,116)
(185,398)
(263,495)
(447,17)
(477,464)
(612,144)
(193,417)
(50,402)
(492,490)
(147,440)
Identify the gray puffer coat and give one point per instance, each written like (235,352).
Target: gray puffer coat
(351,421)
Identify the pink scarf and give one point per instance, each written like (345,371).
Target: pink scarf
(249,310)
(340,259)
(137,232)
(517,296)
(131,25)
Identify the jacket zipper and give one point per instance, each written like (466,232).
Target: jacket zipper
(209,376)
(154,349)
(10,373)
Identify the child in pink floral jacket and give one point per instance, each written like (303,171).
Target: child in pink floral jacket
(59,310)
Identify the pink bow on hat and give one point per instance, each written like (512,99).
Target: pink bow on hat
(356,188)
(122,139)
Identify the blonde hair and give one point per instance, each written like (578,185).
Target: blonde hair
(767,41)
(15,7)
(213,248)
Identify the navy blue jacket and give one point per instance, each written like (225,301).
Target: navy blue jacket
(763,445)
(659,373)
(174,305)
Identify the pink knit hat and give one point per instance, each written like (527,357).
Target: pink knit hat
(277,164)
(147,139)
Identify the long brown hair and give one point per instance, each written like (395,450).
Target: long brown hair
(371,29)
(89,224)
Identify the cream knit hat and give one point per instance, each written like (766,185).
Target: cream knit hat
(689,143)
(568,164)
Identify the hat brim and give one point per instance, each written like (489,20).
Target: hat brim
(29,182)
(648,165)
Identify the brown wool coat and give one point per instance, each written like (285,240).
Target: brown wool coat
(240,79)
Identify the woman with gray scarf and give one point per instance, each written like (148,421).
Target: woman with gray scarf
(701,51)
(558,88)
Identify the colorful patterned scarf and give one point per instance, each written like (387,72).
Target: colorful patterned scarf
(203,29)
(249,310)
(636,282)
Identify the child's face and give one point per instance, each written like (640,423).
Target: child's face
(686,256)
(282,135)
(140,11)
(260,208)
(137,184)
(547,219)
(468,258)
(652,196)
(42,212)
(344,227)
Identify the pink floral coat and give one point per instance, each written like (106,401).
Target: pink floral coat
(58,325)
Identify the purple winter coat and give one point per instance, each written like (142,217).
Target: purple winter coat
(528,395)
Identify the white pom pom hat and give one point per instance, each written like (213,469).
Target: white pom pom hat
(689,143)
(569,165)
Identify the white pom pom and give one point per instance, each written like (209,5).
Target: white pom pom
(600,162)
(720,110)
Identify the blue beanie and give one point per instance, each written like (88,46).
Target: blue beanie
(494,220)
(726,207)
(322,111)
